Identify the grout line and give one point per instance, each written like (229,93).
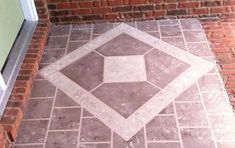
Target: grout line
(67,45)
(96,87)
(159,29)
(98,53)
(148,51)
(79,128)
(178,127)
(185,43)
(209,124)
(182,127)
(89,117)
(145,137)
(169,37)
(92,29)
(49,123)
(153,84)
(111,144)
(102,142)
(65,107)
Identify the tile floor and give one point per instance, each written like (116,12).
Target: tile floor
(150,84)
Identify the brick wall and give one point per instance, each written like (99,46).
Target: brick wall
(73,11)
(13,112)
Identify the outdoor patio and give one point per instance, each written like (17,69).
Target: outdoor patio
(147,84)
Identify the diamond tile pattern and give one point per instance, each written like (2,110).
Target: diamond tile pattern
(92,113)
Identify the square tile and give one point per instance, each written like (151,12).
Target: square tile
(75,45)
(124,69)
(164,145)
(162,128)
(195,36)
(42,88)
(56,42)
(170,31)
(176,41)
(32,132)
(93,130)
(190,94)
(210,83)
(200,49)
(50,56)
(80,34)
(102,28)
(147,25)
(62,140)
(62,100)
(59,30)
(188,24)
(65,118)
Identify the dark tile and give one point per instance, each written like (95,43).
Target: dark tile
(59,30)
(86,113)
(101,145)
(50,56)
(62,140)
(87,71)
(210,83)
(162,128)
(62,100)
(28,146)
(164,145)
(190,94)
(169,22)
(136,141)
(81,26)
(200,49)
(65,118)
(171,30)
(191,114)
(56,42)
(176,41)
(168,110)
(38,108)
(147,25)
(80,34)
(195,36)
(32,132)
(42,88)
(75,45)
(102,28)
(197,138)
(93,130)
(162,68)
(190,24)
(123,45)
(155,34)
(126,98)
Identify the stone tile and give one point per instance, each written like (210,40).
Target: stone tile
(190,24)
(93,130)
(176,41)
(41,66)
(171,30)
(50,56)
(132,24)
(56,42)
(197,138)
(81,26)
(38,108)
(42,88)
(191,114)
(217,103)
(162,68)
(80,34)
(28,146)
(135,142)
(200,49)
(86,71)
(170,22)
(210,83)
(102,28)
(194,36)
(62,100)
(164,145)
(123,45)
(95,36)
(155,34)
(126,97)
(226,144)
(162,128)
(59,30)
(190,94)
(32,132)
(75,45)
(124,69)
(65,118)
(86,113)
(101,145)
(168,110)
(62,140)
(147,25)
(223,127)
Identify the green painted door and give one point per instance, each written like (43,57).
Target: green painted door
(11,19)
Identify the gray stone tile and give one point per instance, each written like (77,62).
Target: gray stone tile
(56,42)
(155,34)
(65,118)
(93,130)
(28,146)
(191,114)
(164,145)
(62,100)
(42,88)
(171,30)
(86,113)
(50,56)
(80,34)
(59,30)
(168,110)
(101,145)
(200,49)
(194,36)
(210,83)
(75,45)
(38,108)
(136,141)
(190,94)
(168,22)
(123,45)
(126,97)
(176,41)
(102,28)
(162,128)
(190,24)
(32,132)
(197,138)
(147,25)
(62,140)
(86,71)
(81,26)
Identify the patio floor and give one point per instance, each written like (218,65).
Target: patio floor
(150,84)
